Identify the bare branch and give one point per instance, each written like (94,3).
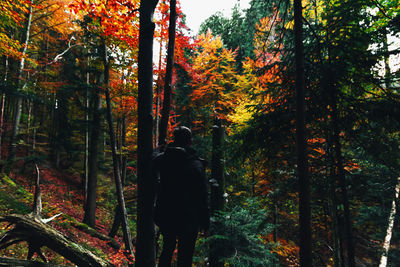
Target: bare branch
(59,56)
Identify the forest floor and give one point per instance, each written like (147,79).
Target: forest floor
(61,194)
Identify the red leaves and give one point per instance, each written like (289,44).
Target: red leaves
(114,18)
(122,258)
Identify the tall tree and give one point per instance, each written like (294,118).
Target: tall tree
(217,189)
(145,244)
(214,80)
(116,164)
(93,160)
(302,172)
(168,75)
(20,86)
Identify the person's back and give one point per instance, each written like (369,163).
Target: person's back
(181,206)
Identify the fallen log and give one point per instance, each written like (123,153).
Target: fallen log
(93,232)
(25,263)
(38,235)
(31,228)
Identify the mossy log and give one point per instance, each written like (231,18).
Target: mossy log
(38,234)
(24,263)
(93,232)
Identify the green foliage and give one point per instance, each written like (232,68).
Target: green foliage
(11,196)
(238,236)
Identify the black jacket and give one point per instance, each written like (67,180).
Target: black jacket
(181,202)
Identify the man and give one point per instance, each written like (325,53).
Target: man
(181,207)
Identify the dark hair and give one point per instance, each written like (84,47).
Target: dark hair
(182,136)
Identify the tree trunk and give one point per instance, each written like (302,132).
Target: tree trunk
(90,204)
(86,160)
(388,72)
(338,257)
(336,236)
(275,216)
(342,179)
(117,174)
(346,204)
(217,169)
(302,165)
(389,230)
(168,75)
(123,144)
(3,99)
(17,114)
(25,263)
(117,217)
(158,91)
(30,107)
(217,200)
(145,244)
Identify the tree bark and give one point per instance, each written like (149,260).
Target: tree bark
(389,230)
(145,244)
(90,204)
(86,160)
(25,263)
(158,91)
(302,165)
(93,232)
(388,72)
(342,184)
(217,183)
(123,154)
(30,107)
(117,174)
(118,217)
(3,99)
(217,169)
(168,75)
(336,234)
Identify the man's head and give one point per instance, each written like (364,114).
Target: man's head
(182,136)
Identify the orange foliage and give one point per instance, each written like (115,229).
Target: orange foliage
(287,252)
(113,18)
(13,14)
(214,79)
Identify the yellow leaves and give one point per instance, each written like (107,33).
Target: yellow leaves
(289,24)
(10,47)
(312,8)
(209,42)
(242,113)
